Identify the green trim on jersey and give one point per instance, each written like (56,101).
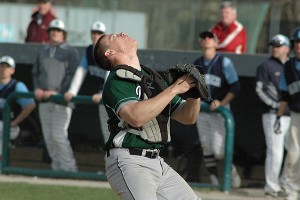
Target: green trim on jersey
(117,93)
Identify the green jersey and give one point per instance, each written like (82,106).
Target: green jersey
(117,93)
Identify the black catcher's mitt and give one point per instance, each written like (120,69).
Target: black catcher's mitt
(201,89)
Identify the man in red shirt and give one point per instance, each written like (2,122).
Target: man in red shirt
(37,29)
(231,34)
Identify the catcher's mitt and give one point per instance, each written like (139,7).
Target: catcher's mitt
(201,89)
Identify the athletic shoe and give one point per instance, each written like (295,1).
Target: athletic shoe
(271,193)
(236,181)
(292,196)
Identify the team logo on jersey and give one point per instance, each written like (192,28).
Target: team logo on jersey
(149,85)
(138,91)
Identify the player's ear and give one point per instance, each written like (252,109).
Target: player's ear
(109,53)
(12,70)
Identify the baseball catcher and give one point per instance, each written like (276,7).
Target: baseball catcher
(201,89)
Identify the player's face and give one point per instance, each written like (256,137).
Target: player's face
(280,51)
(121,42)
(56,36)
(6,71)
(208,43)
(227,15)
(44,7)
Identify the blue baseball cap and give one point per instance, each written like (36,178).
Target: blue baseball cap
(279,40)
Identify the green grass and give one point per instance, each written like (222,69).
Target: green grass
(25,191)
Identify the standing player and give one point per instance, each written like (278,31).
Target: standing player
(52,74)
(222,80)
(267,88)
(139,118)
(290,96)
(8,85)
(232,36)
(97,75)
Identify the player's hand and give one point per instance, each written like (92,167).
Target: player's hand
(39,94)
(49,93)
(183,84)
(276,126)
(68,96)
(97,97)
(13,124)
(215,104)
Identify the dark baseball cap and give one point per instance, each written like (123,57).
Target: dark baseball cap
(208,34)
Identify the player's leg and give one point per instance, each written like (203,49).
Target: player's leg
(173,186)
(205,136)
(133,177)
(45,115)
(219,138)
(274,155)
(293,155)
(285,122)
(61,120)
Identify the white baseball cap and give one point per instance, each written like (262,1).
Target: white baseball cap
(98,26)
(57,23)
(8,60)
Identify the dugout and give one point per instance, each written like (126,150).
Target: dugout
(84,130)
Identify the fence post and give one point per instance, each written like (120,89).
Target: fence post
(229,142)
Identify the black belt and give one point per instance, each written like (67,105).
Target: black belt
(141,152)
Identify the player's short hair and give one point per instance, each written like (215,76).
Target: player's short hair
(228,4)
(99,55)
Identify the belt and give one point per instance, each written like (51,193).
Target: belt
(149,153)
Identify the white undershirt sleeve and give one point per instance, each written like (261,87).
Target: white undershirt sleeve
(77,80)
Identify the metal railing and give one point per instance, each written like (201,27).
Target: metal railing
(6,169)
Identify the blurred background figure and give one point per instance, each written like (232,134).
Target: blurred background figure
(95,76)
(267,88)
(21,108)
(231,34)
(40,20)
(52,74)
(290,97)
(223,83)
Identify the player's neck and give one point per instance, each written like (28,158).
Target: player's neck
(5,80)
(132,61)
(209,54)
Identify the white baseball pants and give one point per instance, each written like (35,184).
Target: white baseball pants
(137,177)
(275,148)
(212,132)
(14,133)
(293,155)
(55,120)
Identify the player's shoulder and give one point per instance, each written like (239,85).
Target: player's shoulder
(227,62)
(21,87)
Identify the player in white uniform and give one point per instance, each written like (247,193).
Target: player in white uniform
(289,86)
(87,65)
(267,88)
(52,74)
(9,85)
(223,83)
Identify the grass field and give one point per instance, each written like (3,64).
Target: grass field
(26,191)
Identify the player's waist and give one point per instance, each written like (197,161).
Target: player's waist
(149,153)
